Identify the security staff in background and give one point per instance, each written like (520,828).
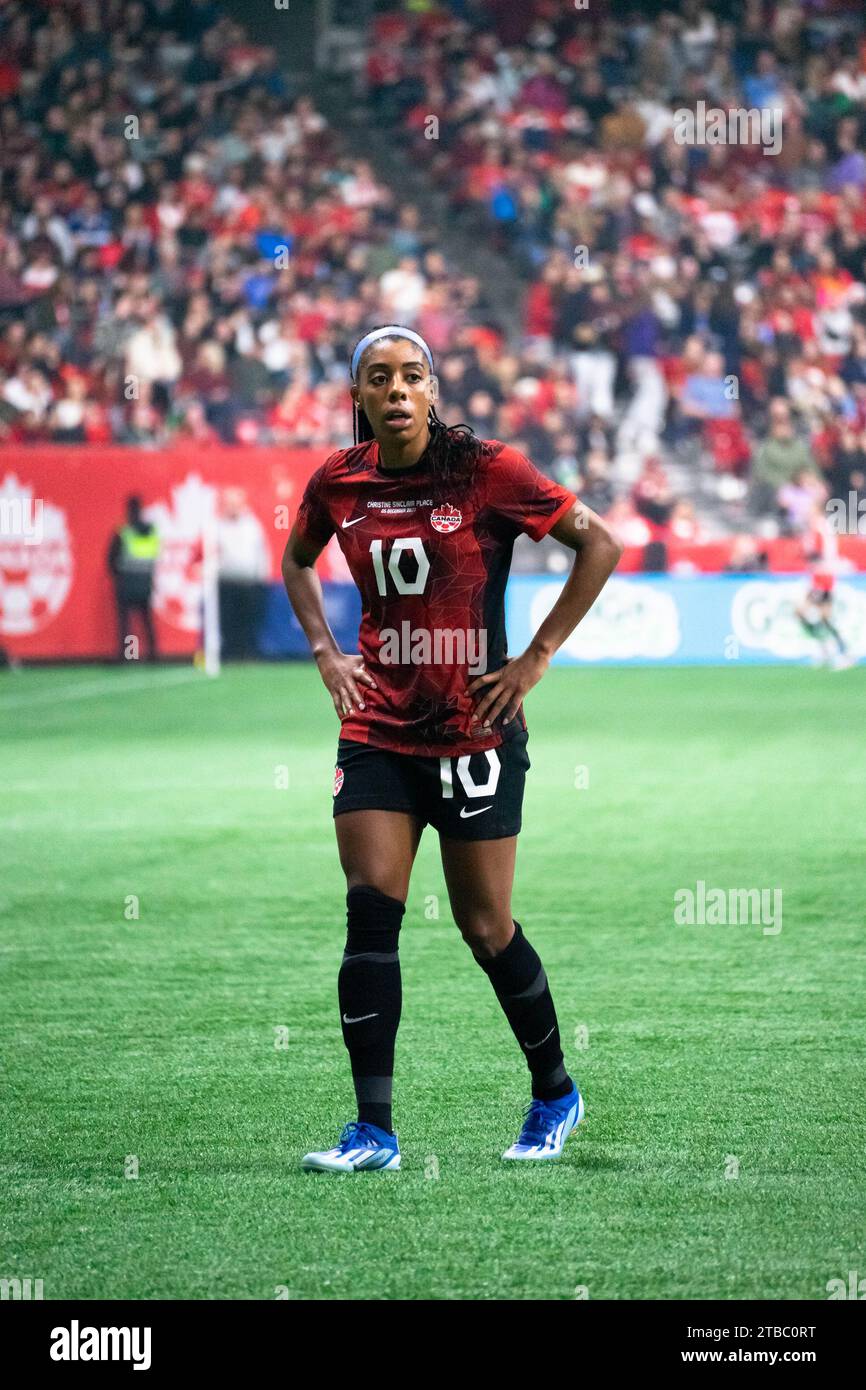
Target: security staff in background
(132,560)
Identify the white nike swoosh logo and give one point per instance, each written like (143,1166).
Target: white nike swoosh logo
(464,814)
(530,1046)
(346,1018)
(353,523)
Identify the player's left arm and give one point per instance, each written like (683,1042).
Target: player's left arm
(596,555)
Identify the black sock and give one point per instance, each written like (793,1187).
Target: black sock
(371,997)
(521,987)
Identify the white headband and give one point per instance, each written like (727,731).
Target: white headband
(394,331)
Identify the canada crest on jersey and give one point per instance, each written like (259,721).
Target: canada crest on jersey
(445,518)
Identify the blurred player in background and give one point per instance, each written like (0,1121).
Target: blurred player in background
(431,709)
(815,611)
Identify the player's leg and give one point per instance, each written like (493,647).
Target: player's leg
(836,635)
(475,802)
(811,621)
(832,631)
(377,845)
(479,875)
(377,849)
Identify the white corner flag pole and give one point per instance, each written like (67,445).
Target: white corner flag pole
(210,591)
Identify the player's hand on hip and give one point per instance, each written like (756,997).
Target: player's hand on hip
(343,675)
(502,692)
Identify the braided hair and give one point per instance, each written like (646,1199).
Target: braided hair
(453,452)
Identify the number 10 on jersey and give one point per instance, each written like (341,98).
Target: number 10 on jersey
(415,546)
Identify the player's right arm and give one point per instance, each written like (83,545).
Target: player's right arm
(340,673)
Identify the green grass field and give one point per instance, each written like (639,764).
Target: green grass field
(702,1050)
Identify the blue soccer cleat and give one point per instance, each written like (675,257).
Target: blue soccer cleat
(546,1127)
(360,1148)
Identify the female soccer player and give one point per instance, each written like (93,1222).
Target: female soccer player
(432,726)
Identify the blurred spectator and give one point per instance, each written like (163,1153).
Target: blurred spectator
(798,498)
(627,525)
(152,358)
(847,467)
(706,394)
(597,491)
(779,459)
(683,523)
(652,494)
(243,566)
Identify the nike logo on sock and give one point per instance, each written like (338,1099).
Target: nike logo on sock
(353,523)
(530,1046)
(347,1019)
(464,814)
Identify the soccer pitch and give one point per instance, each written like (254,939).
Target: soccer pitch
(173,919)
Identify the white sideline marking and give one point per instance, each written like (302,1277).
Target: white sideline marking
(119,685)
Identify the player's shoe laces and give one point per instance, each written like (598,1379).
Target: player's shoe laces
(359,1148)
(546,1127)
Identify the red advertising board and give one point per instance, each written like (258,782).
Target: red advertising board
(59,508)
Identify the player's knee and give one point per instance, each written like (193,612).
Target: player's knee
(485,933)
(373,919)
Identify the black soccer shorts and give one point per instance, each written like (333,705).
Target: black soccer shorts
(475,796)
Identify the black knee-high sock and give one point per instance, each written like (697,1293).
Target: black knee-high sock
(521,987)
(371,998)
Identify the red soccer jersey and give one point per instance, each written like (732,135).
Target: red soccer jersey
(431,564)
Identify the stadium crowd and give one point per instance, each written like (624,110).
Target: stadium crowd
(185,251)
(188,251)
(705,301)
